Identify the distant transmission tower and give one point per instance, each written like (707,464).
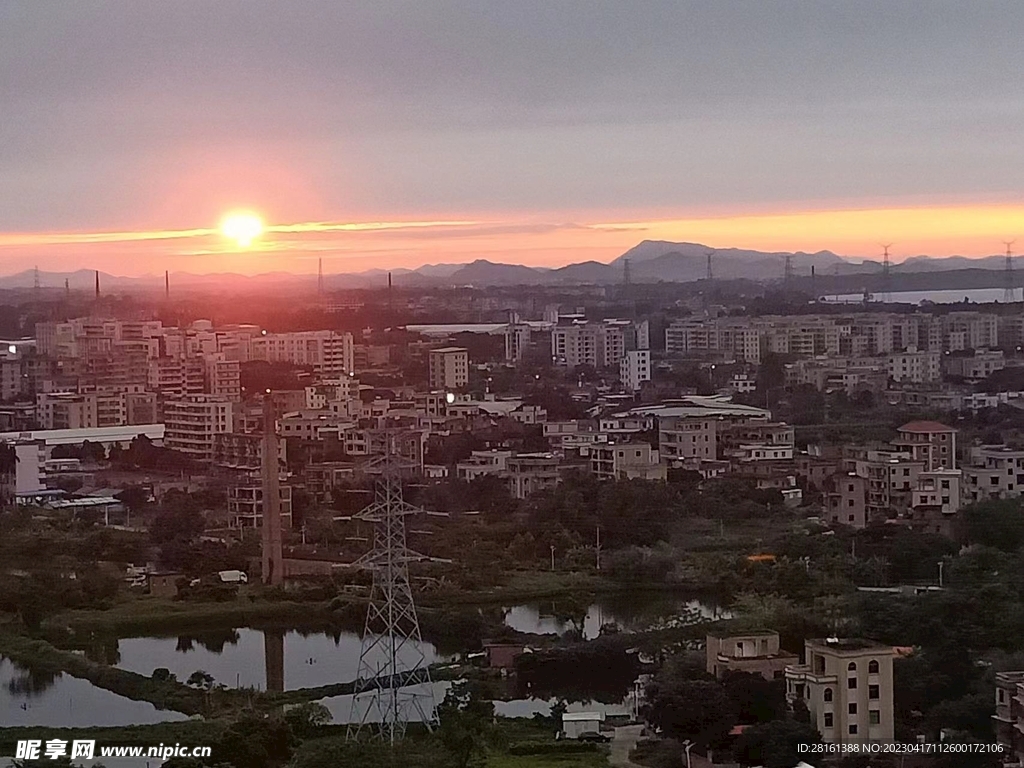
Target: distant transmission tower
(36,284)
(787,274)
(626,277)
(320,278)
(711,274)
(393,685)
(1008,286)
(885,272)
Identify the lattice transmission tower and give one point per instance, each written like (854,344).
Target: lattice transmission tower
(393,685)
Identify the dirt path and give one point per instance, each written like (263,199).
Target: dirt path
(625,739)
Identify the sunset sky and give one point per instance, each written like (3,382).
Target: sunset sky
(402,132)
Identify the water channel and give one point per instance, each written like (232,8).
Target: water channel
(291,659)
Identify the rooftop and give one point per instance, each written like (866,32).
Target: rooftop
(925,426)
(847,644)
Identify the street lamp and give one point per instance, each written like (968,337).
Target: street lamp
(687,746)
(552,557)
(940,572)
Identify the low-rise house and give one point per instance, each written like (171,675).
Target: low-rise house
(755,652)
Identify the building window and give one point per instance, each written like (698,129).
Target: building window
(852,666)
(872,691)
(873,667)
(827,695)
(853,729)
(853,708)
(874,717)
(828,719)
(851,683)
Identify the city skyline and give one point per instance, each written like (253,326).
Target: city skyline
(415,133)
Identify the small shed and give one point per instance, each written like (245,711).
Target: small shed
(575,723)
(164,583)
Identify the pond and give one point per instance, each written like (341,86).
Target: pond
(250,657)
(60,700)
(628,613)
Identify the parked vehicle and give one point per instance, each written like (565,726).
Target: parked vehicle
(233,577)
(594,737)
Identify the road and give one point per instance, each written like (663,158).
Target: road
(623,742)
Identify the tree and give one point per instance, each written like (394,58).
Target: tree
(307,718)
(135,497)
(200,679)
(698,710)
(775,744)
(466,723)
(755,699)
(997,524)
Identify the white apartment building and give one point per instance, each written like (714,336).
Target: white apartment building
(328,353)
(448,368)
(916,367)
(635,369)
(994,472)
(223,376)
(191,424)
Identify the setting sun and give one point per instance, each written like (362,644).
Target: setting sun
(242,227)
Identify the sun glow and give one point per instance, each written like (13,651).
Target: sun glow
(242,227)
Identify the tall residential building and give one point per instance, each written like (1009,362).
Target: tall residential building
(223,376)
(66,410)
(847,686)
(329,353)
(449,368)
(192,423)
(914,366)
(635,369)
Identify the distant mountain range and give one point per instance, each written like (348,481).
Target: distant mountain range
(650,261)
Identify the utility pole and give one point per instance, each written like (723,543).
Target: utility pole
(598,548)
(273,555)
(552,557)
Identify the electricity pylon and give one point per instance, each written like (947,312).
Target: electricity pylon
(1008,286)
(393,685)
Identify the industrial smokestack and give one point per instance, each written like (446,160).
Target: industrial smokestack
(273,565)
(167,284)
(97,283)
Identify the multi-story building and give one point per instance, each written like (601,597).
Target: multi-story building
(245,504)
(757,653)
(914,366)
(847,686)
(328,353)
(891,476)
(928,441)
(66,410)
(576,341)
(528,473)
(975,364)
(635,369)
(994,472)
(936,500)
(847,502)
(244,450)
(684,437)
(448,368)
(1009,716)
(223,376)
(626,461)
(192,424)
